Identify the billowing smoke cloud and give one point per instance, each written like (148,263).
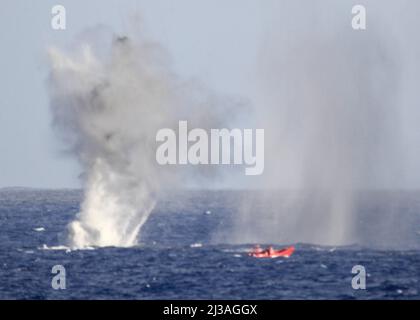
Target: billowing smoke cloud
(331,102)
(108,106)
(108,111)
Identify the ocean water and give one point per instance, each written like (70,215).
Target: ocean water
(178,256)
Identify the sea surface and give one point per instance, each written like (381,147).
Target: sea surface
(178,256)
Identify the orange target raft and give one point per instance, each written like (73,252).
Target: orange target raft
(271,253)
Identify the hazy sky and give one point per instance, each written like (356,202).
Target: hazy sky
(215,41)
(202,37)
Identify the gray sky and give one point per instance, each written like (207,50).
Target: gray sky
(196,33)
(215,41)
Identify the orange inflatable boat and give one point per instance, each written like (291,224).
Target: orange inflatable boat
(271,253)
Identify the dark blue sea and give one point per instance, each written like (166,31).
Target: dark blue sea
(178,257)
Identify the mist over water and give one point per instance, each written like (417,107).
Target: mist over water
(334,106)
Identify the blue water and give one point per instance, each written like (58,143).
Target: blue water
(166,264)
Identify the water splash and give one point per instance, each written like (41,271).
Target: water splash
(108,106)
(107,110)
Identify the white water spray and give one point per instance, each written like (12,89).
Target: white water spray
(335,103)
(108,110)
